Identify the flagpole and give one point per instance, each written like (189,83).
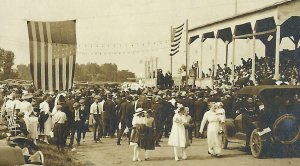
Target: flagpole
(171,56)
(186,52)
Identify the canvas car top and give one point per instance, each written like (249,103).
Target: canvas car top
(257,90)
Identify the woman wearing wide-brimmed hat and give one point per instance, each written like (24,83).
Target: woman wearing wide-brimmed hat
(138,132)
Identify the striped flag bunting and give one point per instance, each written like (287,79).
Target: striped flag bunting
(52,48)
(175,39)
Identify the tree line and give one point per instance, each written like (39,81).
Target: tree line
(83,72)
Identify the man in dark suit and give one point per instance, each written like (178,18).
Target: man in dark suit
(158,109)
(109,116)
(84,113)
(201,106)
(125,117)
(75,124)
(147,104)
(67,111)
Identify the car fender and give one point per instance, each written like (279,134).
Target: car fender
(230,128)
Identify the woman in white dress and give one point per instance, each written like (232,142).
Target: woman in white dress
(46,124)
(26,107)
(33,127)
(177,137)
(213,128)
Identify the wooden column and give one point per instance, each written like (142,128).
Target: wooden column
(233,55)
(253,57)
(201,59)
(276,75)
(216,56)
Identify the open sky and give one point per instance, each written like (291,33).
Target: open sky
(125,32)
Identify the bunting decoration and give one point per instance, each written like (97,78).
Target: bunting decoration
(175,39)
(52,48)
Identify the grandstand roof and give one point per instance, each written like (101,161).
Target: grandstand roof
(275,5)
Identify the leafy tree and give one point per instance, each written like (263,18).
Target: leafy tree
(24,72)
(105,72)
(6,64)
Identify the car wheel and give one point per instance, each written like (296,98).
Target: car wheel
(224,141)
(256,144)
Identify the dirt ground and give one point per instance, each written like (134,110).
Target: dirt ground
(108,153)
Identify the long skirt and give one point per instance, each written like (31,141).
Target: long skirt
(149,139)
(137,135)
(213,141)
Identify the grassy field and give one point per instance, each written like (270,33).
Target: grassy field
(55,158)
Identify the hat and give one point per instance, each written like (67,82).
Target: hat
(97,97)
(76,104)
(183,94)
(27,96)
(157,98)
(21,114)
(173,94)
(139,111)
(160,92)
(81,101)
(179,109)
(213,92)
(12,95)
(149,95)
(58,107)
(219,104)
(186,108)
(128,97)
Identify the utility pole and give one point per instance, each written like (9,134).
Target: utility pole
(171,55)
(186,51)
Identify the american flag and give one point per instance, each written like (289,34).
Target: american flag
(52,54)
(175,39)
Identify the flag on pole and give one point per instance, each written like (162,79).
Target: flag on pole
(52,48)
(175,39)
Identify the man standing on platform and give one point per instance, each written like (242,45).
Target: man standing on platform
(96,110)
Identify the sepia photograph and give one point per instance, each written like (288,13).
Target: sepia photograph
(149,82)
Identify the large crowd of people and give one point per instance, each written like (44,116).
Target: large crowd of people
(264,72)
(55,117)
(143,116)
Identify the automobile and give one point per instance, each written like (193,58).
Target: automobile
(267,116)
(20,151)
